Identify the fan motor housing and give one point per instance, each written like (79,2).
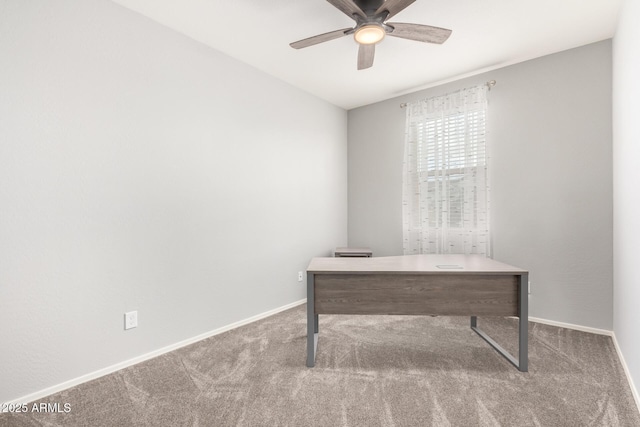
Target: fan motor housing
(369,6)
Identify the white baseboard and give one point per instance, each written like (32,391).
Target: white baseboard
(113,368)
(634,390)
(571,326)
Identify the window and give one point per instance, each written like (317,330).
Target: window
(446,194)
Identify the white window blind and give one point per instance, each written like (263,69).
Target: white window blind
(445,186)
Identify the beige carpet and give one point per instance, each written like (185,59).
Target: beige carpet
(370,371)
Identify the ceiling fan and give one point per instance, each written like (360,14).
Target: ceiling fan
(370,28)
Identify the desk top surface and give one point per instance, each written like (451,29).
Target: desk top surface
(427,264)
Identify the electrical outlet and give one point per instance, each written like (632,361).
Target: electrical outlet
(300,276)
(131,320)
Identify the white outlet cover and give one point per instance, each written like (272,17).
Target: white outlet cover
(131,320)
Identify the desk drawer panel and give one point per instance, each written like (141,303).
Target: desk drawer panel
(460,295)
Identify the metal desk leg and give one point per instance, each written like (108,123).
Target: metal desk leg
(523,328)
(523,322)
(312,323)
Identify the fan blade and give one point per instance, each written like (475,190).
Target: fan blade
(348,7)
(319,38)
(365,55)
(421,33)
(394,6)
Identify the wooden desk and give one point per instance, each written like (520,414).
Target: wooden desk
(447,285)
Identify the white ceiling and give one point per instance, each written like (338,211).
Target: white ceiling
(487,34)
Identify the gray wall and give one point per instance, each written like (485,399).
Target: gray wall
(626,153)
(551,178)
(140,170)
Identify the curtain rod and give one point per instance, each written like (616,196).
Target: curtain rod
(489,84)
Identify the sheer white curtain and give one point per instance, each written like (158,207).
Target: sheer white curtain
(445,187)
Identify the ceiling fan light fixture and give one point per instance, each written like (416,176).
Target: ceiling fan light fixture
(369,34)
(370,28)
